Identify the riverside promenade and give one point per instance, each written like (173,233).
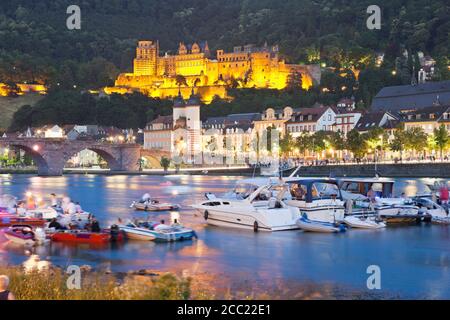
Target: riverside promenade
(409,169)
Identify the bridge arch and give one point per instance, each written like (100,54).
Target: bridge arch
(32,151)
(112,161)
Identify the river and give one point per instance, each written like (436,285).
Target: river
(414,260)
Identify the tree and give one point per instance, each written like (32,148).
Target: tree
(355,143)
(165,163)
(286,144)
(416,139)
(441,138)
(304,143)
(320,139)
(294,81)
(180,80)
(398,143)
(336,140)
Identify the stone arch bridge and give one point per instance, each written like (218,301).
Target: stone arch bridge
(51,154)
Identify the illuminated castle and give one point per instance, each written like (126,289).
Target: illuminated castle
(194,66)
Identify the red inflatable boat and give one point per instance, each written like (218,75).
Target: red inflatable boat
(82,236)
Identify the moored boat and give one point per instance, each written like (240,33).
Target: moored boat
(364,222)
(152,231)
(82,236)
(154,205)
(258,207)
(24,235)
(367,194)
(134,232)
(432,211)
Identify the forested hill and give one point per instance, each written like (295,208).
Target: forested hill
(36,46)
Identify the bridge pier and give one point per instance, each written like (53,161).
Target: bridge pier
(51,155)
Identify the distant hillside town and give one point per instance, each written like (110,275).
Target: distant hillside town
(412,120)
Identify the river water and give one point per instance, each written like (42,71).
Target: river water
(414,260)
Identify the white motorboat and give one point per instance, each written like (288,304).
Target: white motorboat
(151,231)
(432,211)
(132,231)
(154,205)
(319,198)
(259,208)
(318,226)
(24,235)
(364,222)
(376,194)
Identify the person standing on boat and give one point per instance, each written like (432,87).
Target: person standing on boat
(371,194)
(95,225)
(5,294)
(55,224)
(443,194)
(145,198)
(78,208)
(53,200)
(161,226)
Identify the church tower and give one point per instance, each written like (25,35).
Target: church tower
(187,127)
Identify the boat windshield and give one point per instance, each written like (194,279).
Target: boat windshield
(244,190)
(324,190)
(380,189)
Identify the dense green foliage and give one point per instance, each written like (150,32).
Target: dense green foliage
(36,46)
(72,107)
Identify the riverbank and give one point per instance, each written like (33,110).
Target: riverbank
(403,170)
(240,171)
(400,170)
(156,285)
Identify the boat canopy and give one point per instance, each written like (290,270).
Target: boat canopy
(310,189)
(383,187)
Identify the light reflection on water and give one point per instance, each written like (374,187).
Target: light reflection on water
(414,260)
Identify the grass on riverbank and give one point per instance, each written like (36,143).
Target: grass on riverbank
(97,285)
(52,285)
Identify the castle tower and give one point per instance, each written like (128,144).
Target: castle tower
(146,61)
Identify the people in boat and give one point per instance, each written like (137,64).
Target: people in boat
(443,194)
(78,208)
(371,194)
(55,224)
(31,204)
(5,294)
(176,223)
(53,200)
(145,198)
(95,225)
(297,192)
(21,208)
(161,226)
